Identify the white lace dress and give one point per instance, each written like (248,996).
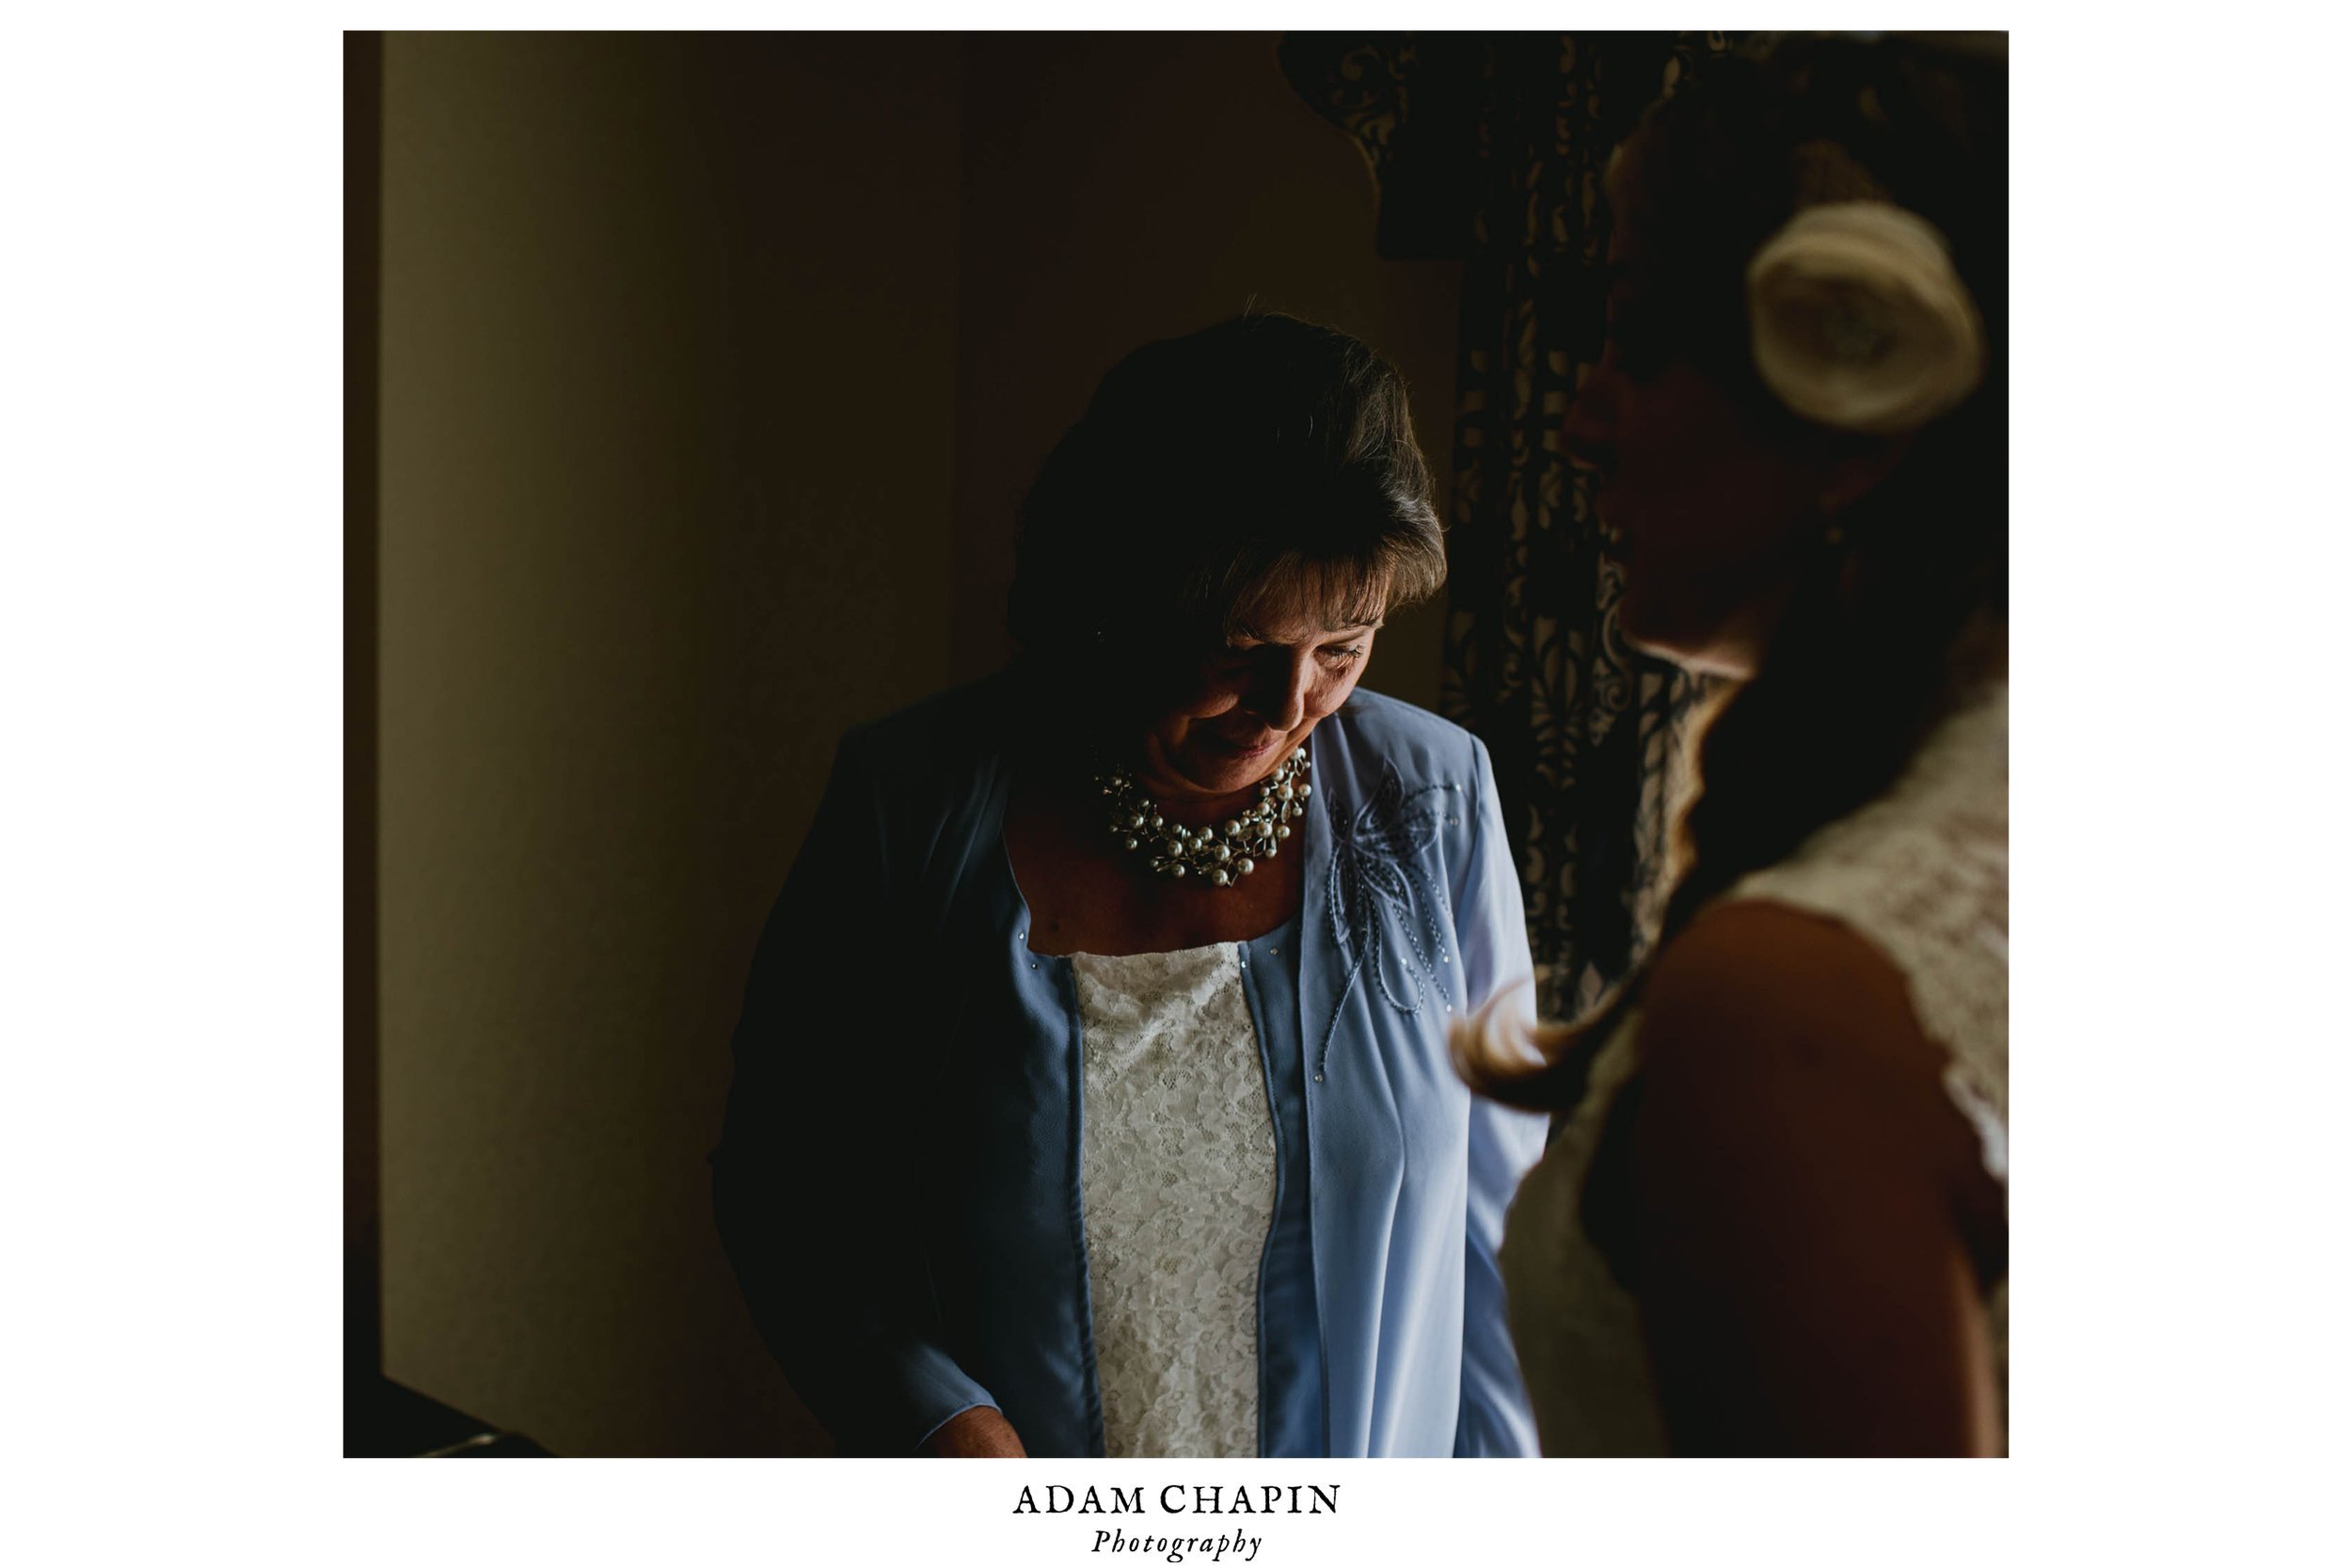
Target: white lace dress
(1179,1167)
(1923,874)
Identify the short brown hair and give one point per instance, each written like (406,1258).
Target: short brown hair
(1262,459)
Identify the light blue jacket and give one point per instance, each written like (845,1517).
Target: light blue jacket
(899,1180)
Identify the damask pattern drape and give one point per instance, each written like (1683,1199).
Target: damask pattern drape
(1490,149)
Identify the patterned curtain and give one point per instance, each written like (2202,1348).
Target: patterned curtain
(1489,149)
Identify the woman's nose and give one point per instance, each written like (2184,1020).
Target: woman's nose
(1279,697)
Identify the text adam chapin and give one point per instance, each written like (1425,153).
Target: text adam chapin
(1177,1498)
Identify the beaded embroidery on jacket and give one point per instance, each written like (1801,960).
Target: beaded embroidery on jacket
(1384,907)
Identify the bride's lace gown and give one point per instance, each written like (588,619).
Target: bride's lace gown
(1922,873)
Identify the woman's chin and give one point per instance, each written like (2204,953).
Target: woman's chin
(1652,645)
(1227,777)
(1213,768)
(1710,652)
(1637,623)
(1648,632)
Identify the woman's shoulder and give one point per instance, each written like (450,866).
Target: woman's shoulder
(933,761)
(1373,729)
(1754,973)
(1762,1017)
(1921,876)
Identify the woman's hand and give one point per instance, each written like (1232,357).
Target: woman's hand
(980,1433)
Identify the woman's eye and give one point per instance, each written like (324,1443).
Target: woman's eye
(1348,655)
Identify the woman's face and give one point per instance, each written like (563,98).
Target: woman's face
(1710,517)
(1248,703)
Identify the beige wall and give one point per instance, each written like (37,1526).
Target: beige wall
(711,372)
(1124,186)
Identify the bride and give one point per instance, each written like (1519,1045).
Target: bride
(1774,1217)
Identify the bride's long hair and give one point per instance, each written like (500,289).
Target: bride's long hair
(1863,662)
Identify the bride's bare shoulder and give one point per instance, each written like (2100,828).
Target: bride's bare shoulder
(1760,1020)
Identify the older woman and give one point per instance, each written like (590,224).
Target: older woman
(1091,1092)
(1775,1217)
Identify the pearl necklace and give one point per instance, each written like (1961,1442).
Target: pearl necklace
(1222,853)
